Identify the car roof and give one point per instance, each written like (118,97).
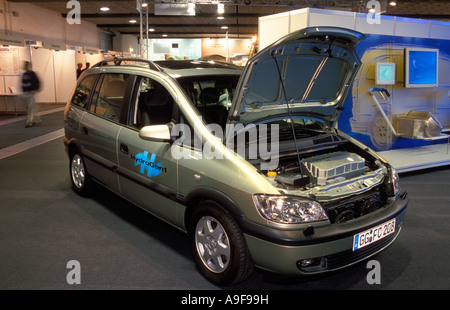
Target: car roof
(174,68)
(184,68)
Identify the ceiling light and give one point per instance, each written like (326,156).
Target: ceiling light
(144,4)
(164,35)
(220,8)
(132,21)
(392,3)
(151,30)
(224,27)
(104,9)
(220,17)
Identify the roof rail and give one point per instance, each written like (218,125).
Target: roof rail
(118,62)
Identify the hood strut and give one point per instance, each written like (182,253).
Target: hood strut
(289,112)
(313,79)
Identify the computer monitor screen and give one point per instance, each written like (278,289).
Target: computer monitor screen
(421,67)
(385,73)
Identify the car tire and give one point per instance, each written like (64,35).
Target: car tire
(218,245)
(79,176)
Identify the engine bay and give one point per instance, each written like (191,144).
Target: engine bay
(344,178)
(327,168)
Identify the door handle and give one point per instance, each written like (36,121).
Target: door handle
(123,148)
(84,130)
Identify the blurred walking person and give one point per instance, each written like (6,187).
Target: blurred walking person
(30,85)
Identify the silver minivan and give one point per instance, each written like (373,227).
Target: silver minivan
(248,163)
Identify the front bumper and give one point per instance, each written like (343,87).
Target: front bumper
(327,249)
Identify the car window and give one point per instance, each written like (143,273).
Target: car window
(109,95)
(154,104)
(83,91)
(211,95)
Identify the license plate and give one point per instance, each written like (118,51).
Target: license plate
(373,235)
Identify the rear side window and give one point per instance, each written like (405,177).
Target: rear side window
(83,91)
(109,95)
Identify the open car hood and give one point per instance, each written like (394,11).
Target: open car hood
(308,72)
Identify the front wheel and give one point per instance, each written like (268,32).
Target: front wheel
(218,245)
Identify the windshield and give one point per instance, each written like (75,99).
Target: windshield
(211,95)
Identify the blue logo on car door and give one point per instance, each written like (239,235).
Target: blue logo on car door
(148,164)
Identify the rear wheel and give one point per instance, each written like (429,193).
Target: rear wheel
(218,245)
(79,176)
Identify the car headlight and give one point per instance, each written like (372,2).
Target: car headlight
(393,185)
(395,181)
(289,209)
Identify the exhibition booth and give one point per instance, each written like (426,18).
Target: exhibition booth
(399,104)
(55,63)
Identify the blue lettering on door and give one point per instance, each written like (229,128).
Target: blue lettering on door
(148,164)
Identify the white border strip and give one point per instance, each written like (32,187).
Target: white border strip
(26,145)
(23,118)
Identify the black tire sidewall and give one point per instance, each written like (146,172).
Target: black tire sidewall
(239,256)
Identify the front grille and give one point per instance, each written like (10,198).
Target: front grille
(351,208)
(348,257)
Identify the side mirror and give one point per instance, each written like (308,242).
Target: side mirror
(156,133)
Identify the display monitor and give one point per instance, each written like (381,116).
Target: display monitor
(421,67)
(385,73)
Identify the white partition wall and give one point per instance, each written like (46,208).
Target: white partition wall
(57,73)
(275,26)
(42,64)
(34,25)
(65,74)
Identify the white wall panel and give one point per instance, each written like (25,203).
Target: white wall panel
(42,61)
(299,19)
(412,27)
(65,74)
(439,30)
(331,18)
(272,28)
(384,25)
